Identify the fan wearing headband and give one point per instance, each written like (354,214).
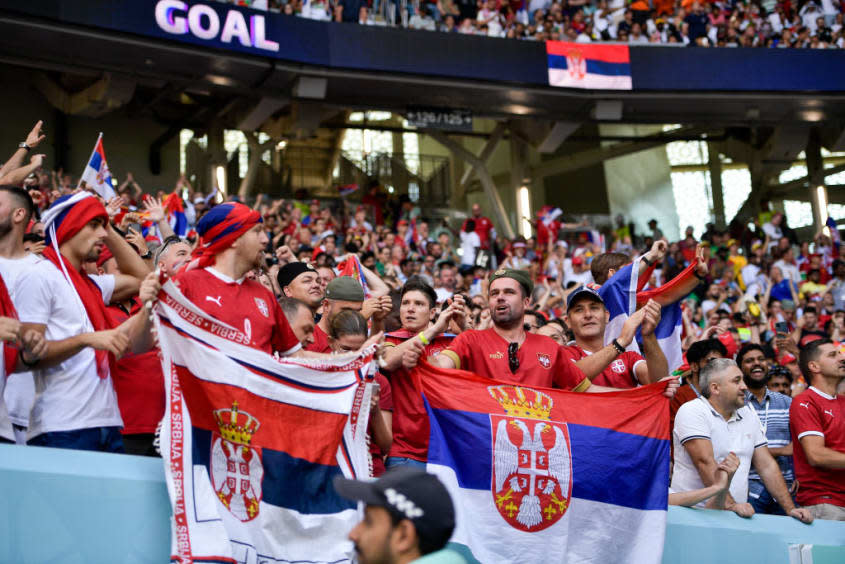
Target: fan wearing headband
(232,243)
(76,405)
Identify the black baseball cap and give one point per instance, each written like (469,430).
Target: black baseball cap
(408,493)
(291,270)
(581,292)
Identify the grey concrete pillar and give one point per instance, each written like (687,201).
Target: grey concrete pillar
(815,177)
(715,166)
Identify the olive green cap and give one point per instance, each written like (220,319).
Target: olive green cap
(345,288)
(520,276)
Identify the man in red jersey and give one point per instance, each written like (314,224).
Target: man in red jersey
(507,352)
(612,365)
(817,424)
(483,226)
(232,242)
(417,307)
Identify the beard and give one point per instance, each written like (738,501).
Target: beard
(507,319)
(6,226)
(94,253)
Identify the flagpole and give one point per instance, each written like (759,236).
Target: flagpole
(94,150)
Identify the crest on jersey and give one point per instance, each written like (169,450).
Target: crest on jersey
(532,464)
(236,468)
(618,366)
(262,307)
(544,360)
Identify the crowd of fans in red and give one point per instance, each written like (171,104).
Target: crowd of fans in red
(770,23)
(75,327)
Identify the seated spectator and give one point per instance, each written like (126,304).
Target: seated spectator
(713,426)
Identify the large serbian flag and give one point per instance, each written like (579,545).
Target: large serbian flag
(96,174)
(544,475)
(586,65)
(251,444)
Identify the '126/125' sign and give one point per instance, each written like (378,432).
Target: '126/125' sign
(440,118)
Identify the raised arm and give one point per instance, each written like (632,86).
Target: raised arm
(132,267)
(656,365)
(592,365)
(19,156)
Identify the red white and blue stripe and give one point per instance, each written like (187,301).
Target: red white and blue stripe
(622,296)
(585,65)
(618,453)
(297,424)
(96,174)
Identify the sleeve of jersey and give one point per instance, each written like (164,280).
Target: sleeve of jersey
(804,419)
(568,376)
(284,340)
(458,350)
(682,278)
(385,397)
(691,423)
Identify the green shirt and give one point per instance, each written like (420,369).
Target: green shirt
(444,556)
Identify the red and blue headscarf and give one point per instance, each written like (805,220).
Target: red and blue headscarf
(221,227)
(62,220)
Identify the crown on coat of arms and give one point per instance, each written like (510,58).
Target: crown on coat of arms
(236,426)
(522,402)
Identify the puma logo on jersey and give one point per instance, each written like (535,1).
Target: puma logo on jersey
(828,412)
(215,300)
(805,405)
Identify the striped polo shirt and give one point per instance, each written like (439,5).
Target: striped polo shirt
(774,417)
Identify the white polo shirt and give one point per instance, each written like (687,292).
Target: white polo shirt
(740,434)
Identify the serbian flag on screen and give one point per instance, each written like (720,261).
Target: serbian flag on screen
(544,475)
(586,65)
(175,210)
(96,174)
(622,295)
(251,443)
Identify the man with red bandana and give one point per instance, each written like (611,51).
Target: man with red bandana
(75,405)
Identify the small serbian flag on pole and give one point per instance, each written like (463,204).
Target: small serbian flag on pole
(347,189)
(834,232)
(583,65)
(96,174)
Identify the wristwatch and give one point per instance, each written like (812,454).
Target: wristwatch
(23,145)
(147,255)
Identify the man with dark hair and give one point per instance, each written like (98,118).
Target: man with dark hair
(533,321)
(817,421)
(301,319)
(301,281)
(408,514)
(780,380)
(417,309)
(698,355)
(709,428)
(773,410)
(612,365)
(506,351)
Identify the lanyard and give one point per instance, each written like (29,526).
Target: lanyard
(766,415)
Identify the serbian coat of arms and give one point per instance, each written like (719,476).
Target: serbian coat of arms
(532,464)
(576,64)
(236,468)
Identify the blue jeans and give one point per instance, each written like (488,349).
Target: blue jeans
(761,500)
(102,439)
(394,461)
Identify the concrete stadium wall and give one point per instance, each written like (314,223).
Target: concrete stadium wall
(82,507)
(639,186)
(126,139)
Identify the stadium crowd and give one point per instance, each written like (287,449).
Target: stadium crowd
(769,23)
(758,415)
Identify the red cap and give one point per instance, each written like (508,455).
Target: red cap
(727,339)
(578,260)
(787,358)
(402,222)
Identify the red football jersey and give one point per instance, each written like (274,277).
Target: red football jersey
(385,403)
(815,413)
(620,373)
(410,420)
(541,361)
(244,304)
(321,342)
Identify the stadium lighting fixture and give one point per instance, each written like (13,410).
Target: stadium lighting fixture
(523,208)
(220,175)
(280,146)
(821,203)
